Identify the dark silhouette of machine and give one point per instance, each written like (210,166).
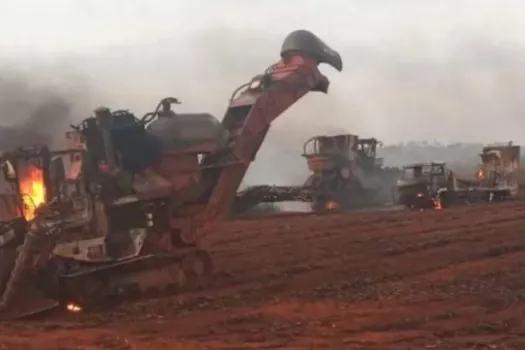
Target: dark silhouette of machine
(433,186)
(126,206)
(345,174)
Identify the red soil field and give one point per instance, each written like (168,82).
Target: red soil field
(448,279)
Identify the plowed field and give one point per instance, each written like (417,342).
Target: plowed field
(450,279)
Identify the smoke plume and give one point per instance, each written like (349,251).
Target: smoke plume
(33,111)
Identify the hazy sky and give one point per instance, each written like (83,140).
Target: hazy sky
(449,70)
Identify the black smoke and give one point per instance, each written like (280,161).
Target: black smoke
(31,114)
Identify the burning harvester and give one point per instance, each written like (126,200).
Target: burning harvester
(345,174)
(139,194)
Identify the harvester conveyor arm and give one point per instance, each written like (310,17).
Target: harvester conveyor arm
(249,116)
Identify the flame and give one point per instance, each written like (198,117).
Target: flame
(72,307)
(332,205)
(480,174)
(33,190)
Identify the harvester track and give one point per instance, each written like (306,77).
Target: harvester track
(449,279)
(142,277)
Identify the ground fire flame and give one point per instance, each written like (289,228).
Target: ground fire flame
(71,307)
(33,190)
(332,205)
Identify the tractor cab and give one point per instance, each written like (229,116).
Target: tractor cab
(419,183)
(433,174)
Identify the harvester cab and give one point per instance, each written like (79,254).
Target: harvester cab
(24,171)
(500,166)
(153,187)
(366,150)
(321,152)
(37,177)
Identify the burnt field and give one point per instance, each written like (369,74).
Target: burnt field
(449,279)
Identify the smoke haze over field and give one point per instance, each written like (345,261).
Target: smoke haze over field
(414,70)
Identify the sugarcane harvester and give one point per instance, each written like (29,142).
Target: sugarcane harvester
(345,174)
(148,190)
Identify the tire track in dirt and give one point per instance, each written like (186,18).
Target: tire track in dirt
(372,226)
(346,244)
(448,243)
(511,251)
